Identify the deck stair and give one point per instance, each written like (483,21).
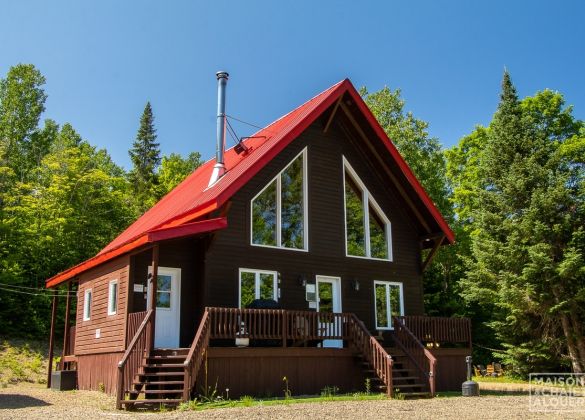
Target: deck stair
(160,380)
(406,379)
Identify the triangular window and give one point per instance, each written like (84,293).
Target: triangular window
(279,211)
(367,229)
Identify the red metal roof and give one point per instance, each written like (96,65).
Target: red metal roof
(192,199)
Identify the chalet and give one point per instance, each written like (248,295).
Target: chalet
(316,222)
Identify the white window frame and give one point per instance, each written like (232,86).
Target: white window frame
(257,273)
(87,303)
(111,284)
(367,201)
(388,285)
(277,178)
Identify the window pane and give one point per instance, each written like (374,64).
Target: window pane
(292,205)
(248,288)
(163,283)
(163,300)
(355,219)
(325,297)
(113,297)
(378,244)
(266,286)
(381,308)
(264,217)
(395,306)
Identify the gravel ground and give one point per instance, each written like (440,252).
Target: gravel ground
(36,402)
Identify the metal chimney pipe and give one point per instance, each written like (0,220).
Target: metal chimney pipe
(219,168)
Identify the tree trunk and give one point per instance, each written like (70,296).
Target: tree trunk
(578,335)
(569,336)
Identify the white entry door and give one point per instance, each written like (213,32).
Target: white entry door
(329,301)
(168,307)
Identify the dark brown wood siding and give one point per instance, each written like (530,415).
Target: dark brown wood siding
(231,248)
(93,370)
(112,327)
(260,372)
(451,368)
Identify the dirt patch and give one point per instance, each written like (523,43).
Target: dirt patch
(28,401)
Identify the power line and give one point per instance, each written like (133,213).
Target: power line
(37,292)
(247,123)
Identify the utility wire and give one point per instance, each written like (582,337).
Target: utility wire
(247,123)
(34,291)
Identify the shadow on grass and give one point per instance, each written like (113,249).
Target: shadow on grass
(13,401)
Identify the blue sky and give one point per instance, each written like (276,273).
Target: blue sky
(103,60)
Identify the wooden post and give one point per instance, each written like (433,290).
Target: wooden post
(284,327)
(152,300)
(66,337)
(52,339)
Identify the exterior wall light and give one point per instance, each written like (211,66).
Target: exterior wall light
(355,284)
(302,280)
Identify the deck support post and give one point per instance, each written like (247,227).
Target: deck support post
(52,338)
(66,337)
(152,300)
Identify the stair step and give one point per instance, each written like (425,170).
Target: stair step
(159,383)
(416,394)
(157,391)
(163,365)
(410,386)
(165,358)
(170,401)
(396,370)
(181,373)
(404,378)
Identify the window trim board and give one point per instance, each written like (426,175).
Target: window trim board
(388,285)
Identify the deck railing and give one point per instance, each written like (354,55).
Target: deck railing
(422,359)
(289,328)
(196,355)
(372,350)
(277,324)
(131,362)
(439,329)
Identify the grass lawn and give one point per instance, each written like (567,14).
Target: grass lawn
(22,361)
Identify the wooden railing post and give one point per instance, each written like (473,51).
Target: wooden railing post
(284,327)
(432,375)
(152,300)
(120,388)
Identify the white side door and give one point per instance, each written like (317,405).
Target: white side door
(168,307)
(329,301)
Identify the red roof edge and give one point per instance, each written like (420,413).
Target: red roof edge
(414,182)
(149,237)
(187,229)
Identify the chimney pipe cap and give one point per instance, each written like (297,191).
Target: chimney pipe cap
(222,75)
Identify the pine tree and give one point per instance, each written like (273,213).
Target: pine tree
(527,245)
(145,156)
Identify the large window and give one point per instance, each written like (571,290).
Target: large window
(389,303)
(113,297)
(257,284)
(367,229)
(279,211)
(87,295)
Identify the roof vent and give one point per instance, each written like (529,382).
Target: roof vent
(219,168)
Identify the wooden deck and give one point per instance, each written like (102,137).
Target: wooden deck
(289,344)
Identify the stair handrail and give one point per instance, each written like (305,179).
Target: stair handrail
(372,351)
(402,334)
(196,354)
(130,363)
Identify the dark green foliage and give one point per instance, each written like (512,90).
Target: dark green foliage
(145,157)
(61,199)
(523,209)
